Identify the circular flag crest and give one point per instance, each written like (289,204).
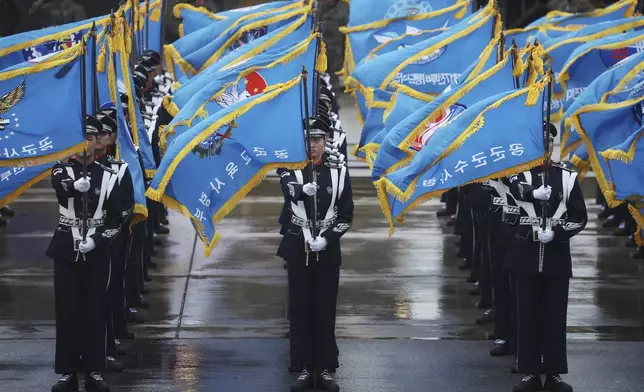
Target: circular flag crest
(403,8)
(614,56)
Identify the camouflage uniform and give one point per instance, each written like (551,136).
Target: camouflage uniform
(331,14)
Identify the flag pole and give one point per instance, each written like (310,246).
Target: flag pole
(164,4)
(147,24)
(515,58)
(546,141)
(133,49)
(84,113)
(314,213)
(94,71)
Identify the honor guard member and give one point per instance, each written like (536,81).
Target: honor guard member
(339,137)
(543,266)
(82,267)
(118,250)
(314,261)
(502,209)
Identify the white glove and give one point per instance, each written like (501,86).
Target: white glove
(546,235)
(542,193)
(82,184)
(318,244)
(87,246)
(310,189)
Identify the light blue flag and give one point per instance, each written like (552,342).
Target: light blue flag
(363,39)
(402,105)
(193,54)
(213,166)
(125,144)
(559,49)
(626,162)
(470,149)
(420,127)
(195,18)
(610,80)
(241,84)
(431,65)
(285,36)
(14,181)
(604,126)
(394,42)
(367,11)
(593,58)
(203,83)
(36,139)
(523,37)
(373,122)
(35,46)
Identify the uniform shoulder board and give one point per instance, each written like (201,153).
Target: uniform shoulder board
(107,169)
(115,161)
(64,163)
(563,166)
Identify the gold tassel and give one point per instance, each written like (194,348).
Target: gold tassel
(519,67)
(321,61)
(100,62)
(156,15)
(534,93)
(460,14)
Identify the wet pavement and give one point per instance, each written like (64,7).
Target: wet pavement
(405,318)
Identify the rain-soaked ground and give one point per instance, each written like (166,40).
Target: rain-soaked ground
(405,318)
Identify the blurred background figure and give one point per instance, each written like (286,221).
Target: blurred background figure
(9,17)
(54,12)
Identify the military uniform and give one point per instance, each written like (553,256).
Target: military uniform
(543,268)
(313,277)
(81,279)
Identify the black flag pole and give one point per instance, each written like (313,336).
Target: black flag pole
(147,24)
(133,33)
(95,99)
(546,142)
(164,4)
(84,113)
(515,59)
(312,173)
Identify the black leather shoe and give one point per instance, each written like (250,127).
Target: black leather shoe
(529,383)
(114,366)
(156,241)
(487,317)
(165,222)
(621,232)
(631,242)
(67,383)
(94,382)
(7,212)
(125,335)
(501,348)
(443,213)
(303,382)
(133,316)
(554,383)
(451,221)
(162,230)
(328,382)
(612,223)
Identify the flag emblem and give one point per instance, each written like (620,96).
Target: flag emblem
(254,84)
(408,8)
(432,126)
(7,102)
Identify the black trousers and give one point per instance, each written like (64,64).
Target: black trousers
(500,239)
(80,291)
(133,269)
(116,291)
(313,295)
(542,309)
(484,259)
(451,200)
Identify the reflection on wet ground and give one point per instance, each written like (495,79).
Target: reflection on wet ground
(229,311)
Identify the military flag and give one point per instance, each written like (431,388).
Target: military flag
(234,149)
(471,149)
(417,130)
(27,139)
(243,82)
(362,12)
(605,88)
(363,38)
(374,121)
(431,65)
(193,53)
